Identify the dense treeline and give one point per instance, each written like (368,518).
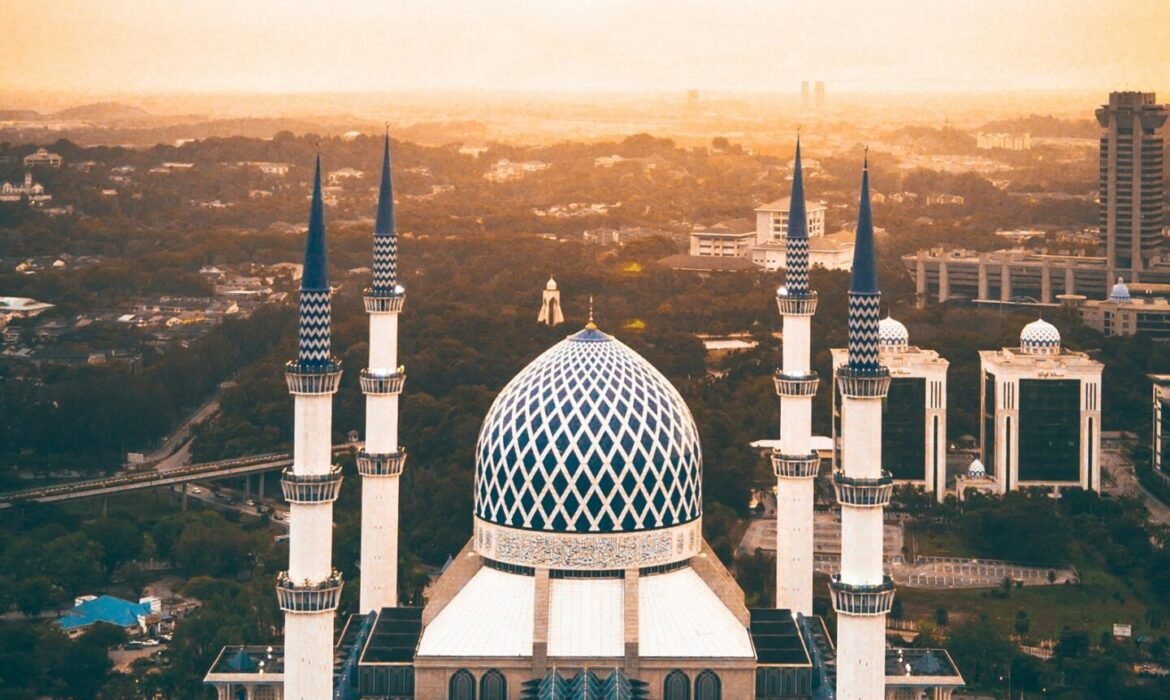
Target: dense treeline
(93,415)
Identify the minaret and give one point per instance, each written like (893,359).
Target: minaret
(795,462)
(380,462)
(550,305)
(862,594)
(309,591)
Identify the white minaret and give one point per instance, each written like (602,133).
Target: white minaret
(380,462)
(795,462)
(550,305)
(862,593)
(309,591)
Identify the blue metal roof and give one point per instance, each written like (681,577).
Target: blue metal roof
(104,608)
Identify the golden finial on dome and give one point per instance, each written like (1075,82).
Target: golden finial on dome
(590,325)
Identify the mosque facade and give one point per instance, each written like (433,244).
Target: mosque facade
(586,574)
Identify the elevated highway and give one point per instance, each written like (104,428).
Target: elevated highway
(126,481)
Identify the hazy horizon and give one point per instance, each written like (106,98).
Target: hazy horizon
(268,47)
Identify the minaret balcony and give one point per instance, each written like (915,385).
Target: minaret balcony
(864,492)
(382,383)
(312,380)
(381,463)
(796,384)
(861,599)
(863,385)
(795,466)
(308,597)
(797,304)
(309,489)
(388,301)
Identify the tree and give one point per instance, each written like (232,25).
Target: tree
(941,616)
(34,595)
(1023,622)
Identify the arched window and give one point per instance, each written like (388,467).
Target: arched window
(493,686)
(676,686)
(462,686)
(708,687)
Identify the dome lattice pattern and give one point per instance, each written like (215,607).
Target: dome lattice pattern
(1040,337)
(589,437)
(892,335)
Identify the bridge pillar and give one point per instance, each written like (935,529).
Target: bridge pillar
(260,490)
(105,506)
(184,496)
(247,487)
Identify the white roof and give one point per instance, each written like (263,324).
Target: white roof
(679,616)
(586,617)
(490,616)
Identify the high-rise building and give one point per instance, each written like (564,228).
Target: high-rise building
(795,463)
(1160,452)
(310,590)
(862,593)
(1132,179)
(1041,413)
(805,95)
(914,414)
(381,460)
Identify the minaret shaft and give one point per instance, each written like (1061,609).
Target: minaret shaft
(794,463)
(310,590)
(862,594)
(380,462)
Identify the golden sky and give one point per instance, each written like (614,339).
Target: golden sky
(372,45)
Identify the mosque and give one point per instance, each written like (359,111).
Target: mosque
(586,575)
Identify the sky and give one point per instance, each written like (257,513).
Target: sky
(134,46)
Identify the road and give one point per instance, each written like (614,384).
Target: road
(1125,483)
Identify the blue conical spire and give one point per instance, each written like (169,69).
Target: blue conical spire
(385,233)
(313,350)
(864,278)
(864,296)
(316,273)
(796,239)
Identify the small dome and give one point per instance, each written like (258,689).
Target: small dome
(892,335)
(552,285)
(976,470)
(1040,338)
(1120,291)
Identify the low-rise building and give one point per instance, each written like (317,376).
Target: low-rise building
(1122,314)
(726,239)
(33,191)
(43,157)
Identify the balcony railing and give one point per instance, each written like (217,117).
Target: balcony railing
(312,380)
(382,383)
(797,304)
(863,385)
(795,466)
(860,599)
(864,492)
(391,302)
(381,464)
(796,385)
(308,597)
(311,488)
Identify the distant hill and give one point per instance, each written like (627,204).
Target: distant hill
(103,112)
(22,115)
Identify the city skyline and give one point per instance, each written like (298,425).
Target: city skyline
(567,45)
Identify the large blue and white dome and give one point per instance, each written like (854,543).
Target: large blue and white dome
(588,439)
